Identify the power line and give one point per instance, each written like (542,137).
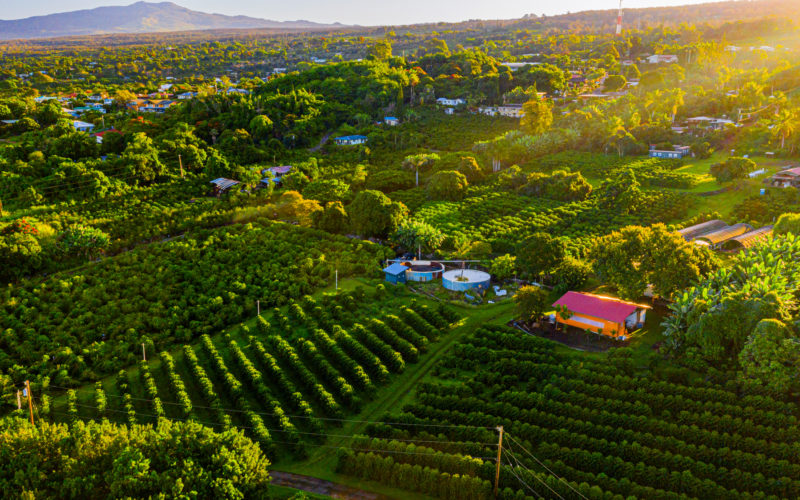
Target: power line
(235,410)
(532,473)
(547,468)
(511,470)
(312,445)
(54,188)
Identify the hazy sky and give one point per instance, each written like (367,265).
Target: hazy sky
(365,12)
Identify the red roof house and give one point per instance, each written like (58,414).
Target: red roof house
(606,315)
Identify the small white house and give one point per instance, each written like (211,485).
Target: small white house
(662,59)
(391,121)
(444,101)
(509,110)
(82,126)
(350,140)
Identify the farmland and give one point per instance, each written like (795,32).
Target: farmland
(493,259)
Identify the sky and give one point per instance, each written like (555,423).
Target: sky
(363,12)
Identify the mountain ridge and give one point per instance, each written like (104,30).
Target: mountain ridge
(139,17)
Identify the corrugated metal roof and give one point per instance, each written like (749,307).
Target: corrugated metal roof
(725,233)
(396,269)
(752,238)
(607,308)
(222,183)
(697,230)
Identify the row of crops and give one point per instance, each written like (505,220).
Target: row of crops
(82,325)
(601,427)
(285,383)
(504,219)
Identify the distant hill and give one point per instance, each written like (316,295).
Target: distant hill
(140,17)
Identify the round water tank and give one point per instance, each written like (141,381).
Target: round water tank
(462,280)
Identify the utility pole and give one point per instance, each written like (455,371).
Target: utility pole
(30,398)
(180,162)
(144,354)
(337,280)
(19,400)
(258,307)
(497,469)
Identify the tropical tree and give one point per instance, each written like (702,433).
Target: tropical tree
(420,162)
(635,257)
(786,124)
(537,116)
(418,235)
(540,254)
(447,185)
(531,302)
(372,213)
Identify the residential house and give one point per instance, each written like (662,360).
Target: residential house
(662,59)
(82,126)
(350,140)
(187,95)
(514,66)
(156,106)
(391,121)
(100,135)
(708,123)
(508,110)
(604,315)
(677,152)
(786,178)
(444,101)
(275,174)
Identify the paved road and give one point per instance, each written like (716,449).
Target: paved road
(322,487)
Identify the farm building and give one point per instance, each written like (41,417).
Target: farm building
(692,232)
(606,315)
(462,280)
(786,178)
(395,273)
(715,239)
(748,240)
(350,140)
(222,184)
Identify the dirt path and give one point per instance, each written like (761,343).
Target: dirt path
(322,487)
(321,142)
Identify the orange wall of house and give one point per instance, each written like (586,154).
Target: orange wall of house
(610,329)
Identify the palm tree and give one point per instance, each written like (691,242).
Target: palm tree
(785,125)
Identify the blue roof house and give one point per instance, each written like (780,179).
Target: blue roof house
(396,273)
(350,140)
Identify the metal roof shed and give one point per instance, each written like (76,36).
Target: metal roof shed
(692,232)
(715,238)
(396,273)
(748,240)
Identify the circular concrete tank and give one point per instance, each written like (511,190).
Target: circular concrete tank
(462,280)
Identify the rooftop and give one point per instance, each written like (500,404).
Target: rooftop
(598,306)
